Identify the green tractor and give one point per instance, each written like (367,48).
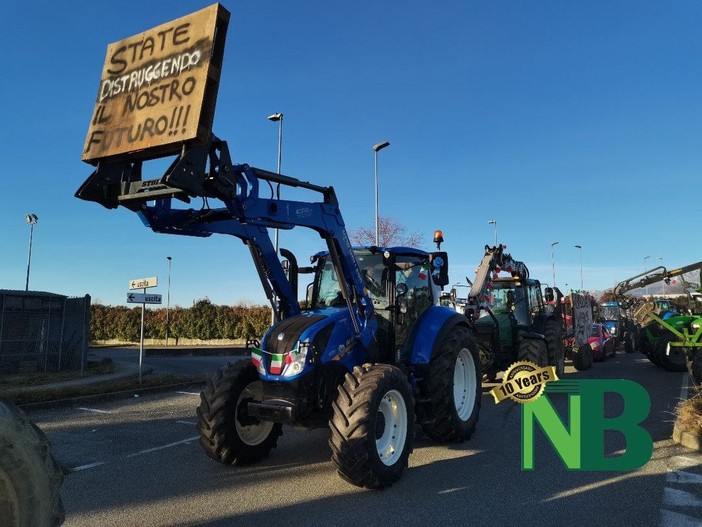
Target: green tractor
(669,339)
(512,319)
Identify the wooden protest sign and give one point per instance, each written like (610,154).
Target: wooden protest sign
(158,89)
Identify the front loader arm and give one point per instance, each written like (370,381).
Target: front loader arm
(206,172)
(494,261)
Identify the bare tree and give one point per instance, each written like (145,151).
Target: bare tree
(390,233)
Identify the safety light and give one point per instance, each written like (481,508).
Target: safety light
(438,238)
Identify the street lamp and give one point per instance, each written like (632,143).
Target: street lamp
(553,262)
(278,118)
(494,222)
(376,149)
(31,220)
(646,269)
(582,289)
(665,286)
(168,298)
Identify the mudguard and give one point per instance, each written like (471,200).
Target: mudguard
(429,332)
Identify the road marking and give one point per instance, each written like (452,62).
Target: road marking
(675,519)
(683,461)
(192,423)
(680,498)
(680,476)
(189,393)
(96,411)
(90,465)
(169,445)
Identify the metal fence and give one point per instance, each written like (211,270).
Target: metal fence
(42,331)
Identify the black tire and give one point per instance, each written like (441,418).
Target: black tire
(533,350)
(363,428)
(675,361)
(647,349)
(694,366)
(554,340)
(226,434)
(454,388)
(583,357)
(30,477)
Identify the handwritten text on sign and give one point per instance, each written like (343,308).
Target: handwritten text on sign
(152,87)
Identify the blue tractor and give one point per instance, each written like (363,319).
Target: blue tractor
(373,353)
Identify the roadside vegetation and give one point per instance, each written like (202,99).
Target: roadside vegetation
(690,415)
(204,321)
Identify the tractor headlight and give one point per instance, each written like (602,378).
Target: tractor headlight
(295,360)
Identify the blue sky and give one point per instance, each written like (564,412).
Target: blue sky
(576,122)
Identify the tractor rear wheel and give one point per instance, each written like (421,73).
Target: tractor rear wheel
(372,427)
(583,357)
(29,476)
(454,386)
(673,361)
(227,434)
(533,350)
(554,340)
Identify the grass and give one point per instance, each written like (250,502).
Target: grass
(690,415)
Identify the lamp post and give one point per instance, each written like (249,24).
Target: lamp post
(665,286)
(494,222)
(278,118)
(31,220)
(582,289)
(376,148)
(168,299)
(553,262)
(646,269)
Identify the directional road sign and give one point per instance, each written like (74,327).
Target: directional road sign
(143,298)
(141,283)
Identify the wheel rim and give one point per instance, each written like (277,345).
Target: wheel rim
(464,384)
(391,427)
(253,434)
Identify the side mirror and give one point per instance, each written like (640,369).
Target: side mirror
(439,268)
(509,297)
(308,294)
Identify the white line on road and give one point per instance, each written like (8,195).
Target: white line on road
(189,393)
(90,465)
(149,450)
(680,476)
(680,498)
(96,411)
(192,423)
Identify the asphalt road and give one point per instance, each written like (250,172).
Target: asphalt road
(137,462)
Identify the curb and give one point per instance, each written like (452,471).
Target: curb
(686,439)
(112,396)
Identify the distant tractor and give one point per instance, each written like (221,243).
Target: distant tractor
(511,319)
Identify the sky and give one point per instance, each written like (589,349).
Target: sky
(569,122)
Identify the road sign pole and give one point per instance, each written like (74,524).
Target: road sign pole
(141,340)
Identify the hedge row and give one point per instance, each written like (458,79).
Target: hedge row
(203,320)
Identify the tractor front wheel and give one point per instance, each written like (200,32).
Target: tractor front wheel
(372,427)
(29,476)
(694,366)
(454,386)
(227,433)
(671,361)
